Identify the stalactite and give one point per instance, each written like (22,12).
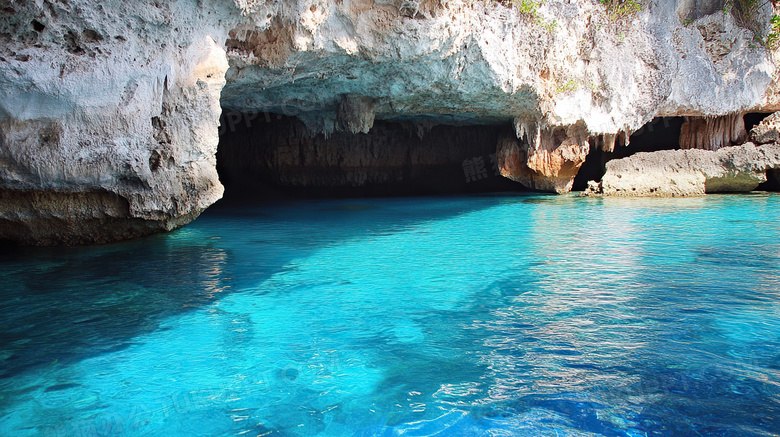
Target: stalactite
(609,143)
(712,133)
(624,137)
(356,113)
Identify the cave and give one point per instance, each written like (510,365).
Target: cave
(662,133)
(772,181)
(754,118)
(268,156)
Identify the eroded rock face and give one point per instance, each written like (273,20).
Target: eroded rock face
(548,159)
(689,172)
(108,128)
(768,131)
(568,64)
(79,217)
(474,61)
(712,133)
(356,114)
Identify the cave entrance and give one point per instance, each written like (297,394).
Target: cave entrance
(268,155)
(772,181)
(662,133)
(754,118)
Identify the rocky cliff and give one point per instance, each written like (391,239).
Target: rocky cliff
(109,111)
(108,118)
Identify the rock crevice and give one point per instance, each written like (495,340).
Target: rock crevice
(697,171)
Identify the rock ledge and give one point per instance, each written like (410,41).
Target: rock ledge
(690,172)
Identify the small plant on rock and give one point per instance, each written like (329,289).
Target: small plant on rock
(617,9)
(530,8)
(569,86)
(773,37)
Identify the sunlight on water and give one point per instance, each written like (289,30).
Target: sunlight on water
(472,316)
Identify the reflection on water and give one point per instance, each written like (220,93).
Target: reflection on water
(522,315)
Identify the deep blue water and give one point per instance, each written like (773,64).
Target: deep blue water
(463,316)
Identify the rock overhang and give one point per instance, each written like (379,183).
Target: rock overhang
(491,60)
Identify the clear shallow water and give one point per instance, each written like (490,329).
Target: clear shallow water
(471,316)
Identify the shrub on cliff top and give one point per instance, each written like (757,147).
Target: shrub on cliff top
(530,8)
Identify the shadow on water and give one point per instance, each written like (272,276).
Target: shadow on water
(64,304)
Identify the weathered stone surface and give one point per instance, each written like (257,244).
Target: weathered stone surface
(688,172)
(457,61)
(108,127)
(768,131)
(70,218)
(473,61)
(356,114)
(547,160)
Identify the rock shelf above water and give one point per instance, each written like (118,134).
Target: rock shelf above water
(692,172)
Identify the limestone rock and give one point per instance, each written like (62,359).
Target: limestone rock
(463,61)
(108,128)
(80,217)
(768,131)
(454,62)
(356,114)
(688,172)
(547,159)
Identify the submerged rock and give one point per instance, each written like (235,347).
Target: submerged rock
(688,172)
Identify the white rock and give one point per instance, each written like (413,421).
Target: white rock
(691,172)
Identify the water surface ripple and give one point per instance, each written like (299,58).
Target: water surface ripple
(496,315)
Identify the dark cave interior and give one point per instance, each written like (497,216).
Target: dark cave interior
(275,156)
(266,156)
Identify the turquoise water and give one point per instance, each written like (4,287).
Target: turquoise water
(464,316)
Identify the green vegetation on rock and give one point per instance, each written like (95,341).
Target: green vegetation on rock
(748,14)
(617,9)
